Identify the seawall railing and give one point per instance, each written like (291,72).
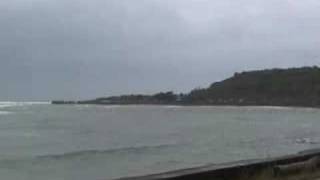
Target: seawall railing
(302,166)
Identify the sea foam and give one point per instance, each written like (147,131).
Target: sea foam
(4,104)
(5,112)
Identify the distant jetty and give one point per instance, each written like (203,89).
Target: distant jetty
(271,87)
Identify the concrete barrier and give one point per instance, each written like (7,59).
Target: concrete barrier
(302,166)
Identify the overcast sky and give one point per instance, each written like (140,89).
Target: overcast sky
(78,49)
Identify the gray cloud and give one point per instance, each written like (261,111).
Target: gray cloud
(53,49)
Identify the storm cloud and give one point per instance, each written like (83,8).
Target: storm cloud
(78,49)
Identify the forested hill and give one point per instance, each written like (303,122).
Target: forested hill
(276,87)
(284,87)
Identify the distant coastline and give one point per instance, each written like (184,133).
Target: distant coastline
(294,87)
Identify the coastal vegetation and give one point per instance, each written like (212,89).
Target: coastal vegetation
(276,87)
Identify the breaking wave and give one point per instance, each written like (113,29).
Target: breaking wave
(306,141)
(4,104)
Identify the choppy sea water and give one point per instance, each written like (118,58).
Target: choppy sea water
(66,142)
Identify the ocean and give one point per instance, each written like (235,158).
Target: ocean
(91,142)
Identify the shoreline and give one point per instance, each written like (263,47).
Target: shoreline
(304,165)
(197,105)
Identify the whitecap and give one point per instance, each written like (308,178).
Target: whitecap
(305,141)
(173,106)
(5,104)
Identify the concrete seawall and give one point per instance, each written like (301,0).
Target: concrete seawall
(302,166)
